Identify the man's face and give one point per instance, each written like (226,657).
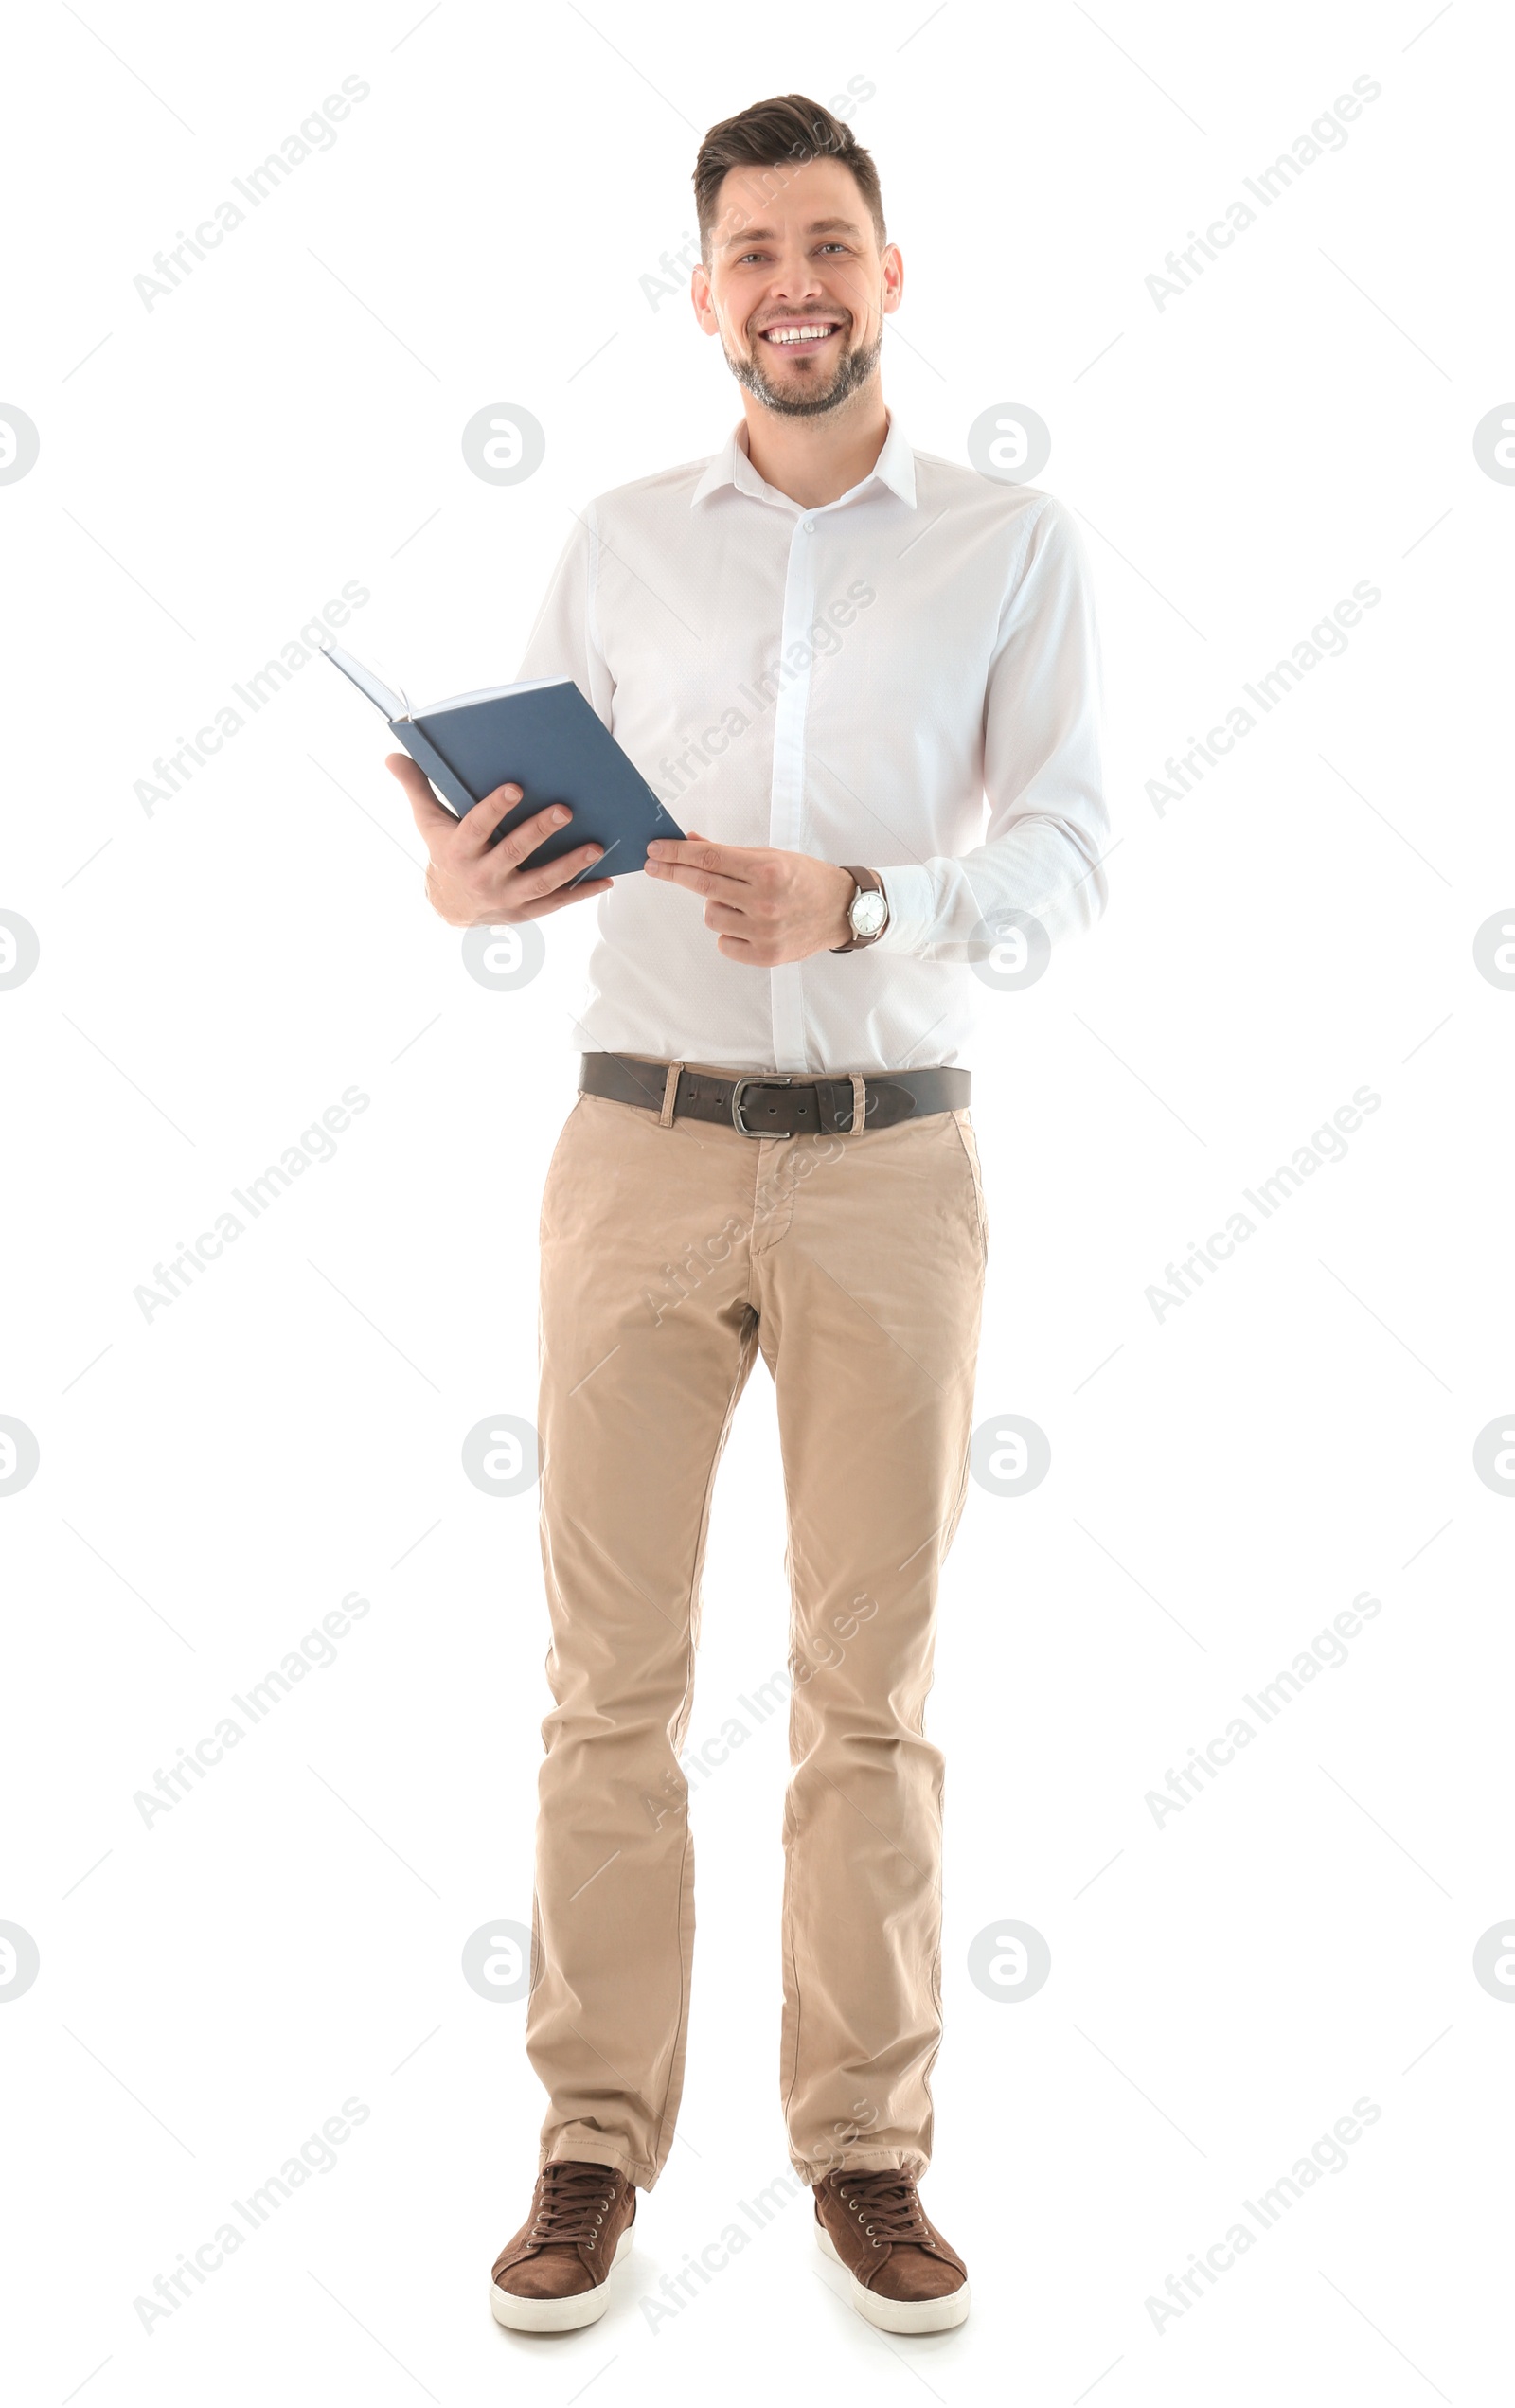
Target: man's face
(798,289)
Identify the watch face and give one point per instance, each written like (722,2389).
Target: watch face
(868,910)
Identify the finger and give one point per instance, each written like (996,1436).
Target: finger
(699,851)
(727,920)
(564,895)
(698,882)
(520,842)
(430,815)
(553,874)
(683,859)
(481,823)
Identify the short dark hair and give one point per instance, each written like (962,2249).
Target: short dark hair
(776,133)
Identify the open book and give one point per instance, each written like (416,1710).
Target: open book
(541,735)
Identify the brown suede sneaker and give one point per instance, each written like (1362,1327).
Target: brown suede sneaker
(551,2277)
(905,2277)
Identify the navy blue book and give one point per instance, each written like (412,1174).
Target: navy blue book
(543,736)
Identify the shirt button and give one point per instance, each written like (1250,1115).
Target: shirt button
(808,526)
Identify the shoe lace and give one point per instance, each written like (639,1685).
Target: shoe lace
(573,2199)
(888,2206)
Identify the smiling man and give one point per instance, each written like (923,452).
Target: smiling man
(864,679)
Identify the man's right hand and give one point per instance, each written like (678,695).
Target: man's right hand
(473,885)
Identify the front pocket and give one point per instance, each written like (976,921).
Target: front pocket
(969,1143)
(554,1166)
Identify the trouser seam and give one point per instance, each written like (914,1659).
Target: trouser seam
(744,1366)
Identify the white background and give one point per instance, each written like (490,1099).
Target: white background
(1223,1481)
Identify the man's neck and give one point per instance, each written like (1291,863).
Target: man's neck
(816,460)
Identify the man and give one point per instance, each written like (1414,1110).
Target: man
(825,649)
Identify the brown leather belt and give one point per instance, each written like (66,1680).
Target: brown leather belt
(763,1104)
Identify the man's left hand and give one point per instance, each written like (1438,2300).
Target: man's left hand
(765,906)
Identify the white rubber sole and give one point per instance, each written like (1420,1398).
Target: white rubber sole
(899,2315)
(558,2315)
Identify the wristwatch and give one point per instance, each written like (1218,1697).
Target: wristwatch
(868,913)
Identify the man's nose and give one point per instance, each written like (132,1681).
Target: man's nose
(796,274)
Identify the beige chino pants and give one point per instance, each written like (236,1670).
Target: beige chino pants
(671,1255)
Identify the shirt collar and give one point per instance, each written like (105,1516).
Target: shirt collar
(895,467)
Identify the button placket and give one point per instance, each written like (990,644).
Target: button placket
(786,806)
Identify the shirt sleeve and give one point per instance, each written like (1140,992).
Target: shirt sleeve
(1048,826)
(565,638)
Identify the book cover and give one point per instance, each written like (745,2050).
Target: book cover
(547,739)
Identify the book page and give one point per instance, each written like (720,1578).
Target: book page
(489,694)
(392,704)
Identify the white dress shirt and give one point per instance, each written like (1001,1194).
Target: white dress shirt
(857,681)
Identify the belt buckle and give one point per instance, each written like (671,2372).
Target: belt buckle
(754,1079)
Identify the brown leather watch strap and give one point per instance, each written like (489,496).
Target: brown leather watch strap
(868,882)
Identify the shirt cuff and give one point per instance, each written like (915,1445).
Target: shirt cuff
(912,899)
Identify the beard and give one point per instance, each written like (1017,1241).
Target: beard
(852,370)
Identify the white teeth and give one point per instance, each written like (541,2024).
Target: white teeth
(798,333)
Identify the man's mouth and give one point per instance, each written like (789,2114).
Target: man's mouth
(801,334)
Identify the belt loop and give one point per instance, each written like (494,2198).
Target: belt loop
(670,1089)
(859,1104)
